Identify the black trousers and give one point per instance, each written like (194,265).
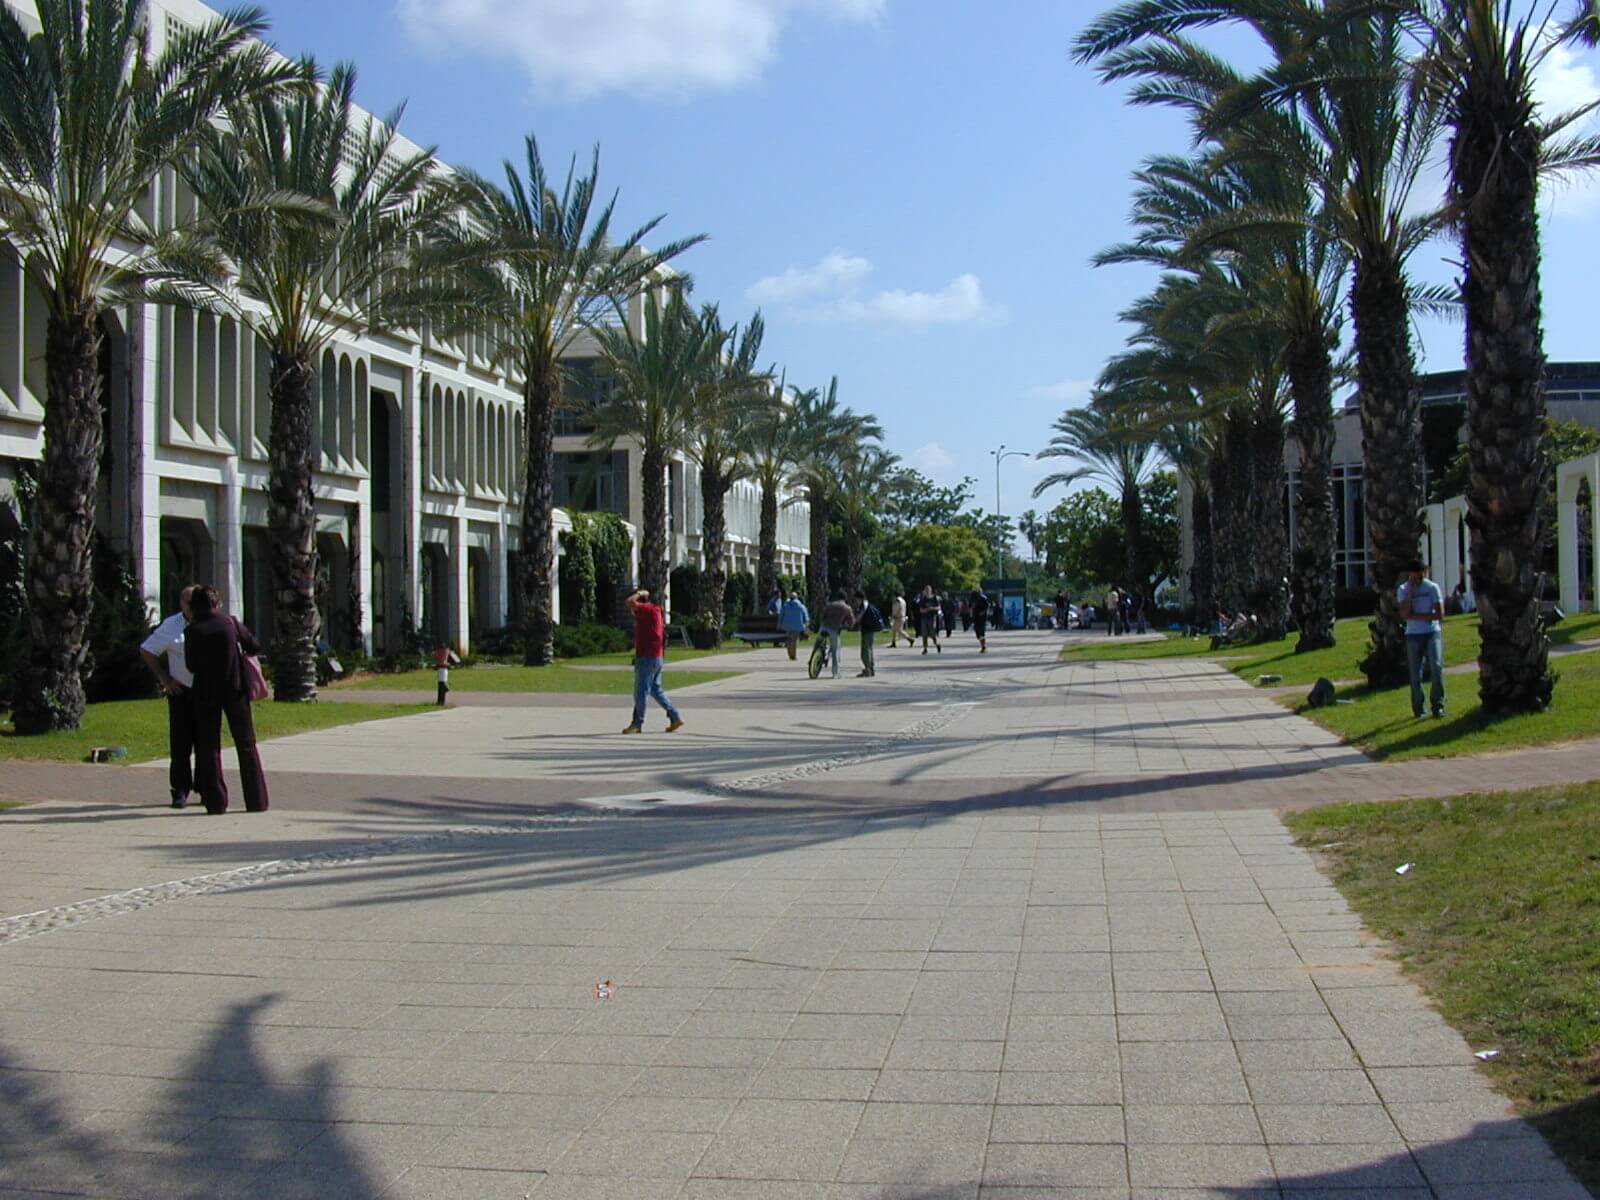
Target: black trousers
(208,778)
(180,743)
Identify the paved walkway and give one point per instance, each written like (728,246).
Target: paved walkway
(982,926)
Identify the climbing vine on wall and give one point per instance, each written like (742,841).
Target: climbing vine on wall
(595,565)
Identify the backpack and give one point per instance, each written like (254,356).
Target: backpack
(871,619)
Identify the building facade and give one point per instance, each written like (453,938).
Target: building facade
(419,443)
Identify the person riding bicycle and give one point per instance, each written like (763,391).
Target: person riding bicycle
(836,617)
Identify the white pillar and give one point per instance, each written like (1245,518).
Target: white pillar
(1457,544)
(460,601)
(229,537)
(144,483)
(500,543)
(415,396)
(1570,477)
(1433,544)
(361,542)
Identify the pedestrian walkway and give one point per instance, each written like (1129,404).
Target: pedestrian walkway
(996,928)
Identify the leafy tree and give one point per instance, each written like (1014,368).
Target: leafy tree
(1082,539)
(914,499)
(89,118)
(950,558)
(561,268)
(825,434)
(863,483)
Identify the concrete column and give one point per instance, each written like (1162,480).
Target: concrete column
(361,548)
(1570,477)
(144,480)
(460,606)
(501,581)
(1432,547)
(228,537)
(410,586)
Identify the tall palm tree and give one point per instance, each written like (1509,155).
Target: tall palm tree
(1114,451)
(1481,64)
(89,118)
(657,374)
(562,269)
(770,447)
(725,404)
(865,476)
(1030,527)
(825,433)
(326,220)
(1349,80)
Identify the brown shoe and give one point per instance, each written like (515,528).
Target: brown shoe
(674,726)
(633,729)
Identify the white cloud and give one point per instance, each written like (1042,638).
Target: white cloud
(836,271)
(652,47)
(960,301)
(931,459)
(1069,392)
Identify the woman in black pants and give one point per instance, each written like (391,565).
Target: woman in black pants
(211,646)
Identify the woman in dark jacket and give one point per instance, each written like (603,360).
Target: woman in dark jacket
(211,647)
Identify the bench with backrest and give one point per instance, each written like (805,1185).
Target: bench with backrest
(756,628)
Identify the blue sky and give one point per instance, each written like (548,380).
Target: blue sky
(909,189)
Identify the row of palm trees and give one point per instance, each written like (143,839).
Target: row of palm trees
(315,221)
(1298,205)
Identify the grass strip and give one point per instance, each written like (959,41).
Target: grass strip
(1499,920)
(1340,661)
(504,677)
(141,727)
(1381,723)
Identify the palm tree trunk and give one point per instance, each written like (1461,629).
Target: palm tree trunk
(767,550)
(292,525)
(1133,539)
(713,538)
(1311,380)
(817,563)
(653,537)
(49,691)
(1268,559)
(1494,162)
(540,395)
(1391,444)
(1230,515)
(855,559)
(1202,595)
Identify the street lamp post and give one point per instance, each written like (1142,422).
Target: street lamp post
(1000,456)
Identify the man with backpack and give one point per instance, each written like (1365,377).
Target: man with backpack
(868,621)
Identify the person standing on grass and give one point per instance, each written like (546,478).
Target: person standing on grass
(869,621)
(1421,605)
(212,647)
(162,652)
(793,618)
(649,660)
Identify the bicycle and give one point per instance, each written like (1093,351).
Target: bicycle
(819,656)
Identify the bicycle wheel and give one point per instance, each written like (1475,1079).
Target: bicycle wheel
(818,659)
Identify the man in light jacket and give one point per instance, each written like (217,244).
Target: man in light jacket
(897,621)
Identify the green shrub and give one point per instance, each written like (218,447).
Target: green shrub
(508,641)
(581,641)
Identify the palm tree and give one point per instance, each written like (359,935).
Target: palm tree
(865,476)
(657,374)
(725,404)
(1031,529)
(325,218)
(89,118)
(824,434)
(1111,450)
(771,451)
(1481,65)
(1348,78)
(562,269)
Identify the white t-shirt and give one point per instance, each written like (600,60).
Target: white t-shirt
(168,640)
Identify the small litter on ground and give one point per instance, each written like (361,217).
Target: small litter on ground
(1403,868)
(1486,1055)
(604,990)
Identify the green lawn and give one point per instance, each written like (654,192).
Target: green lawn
(1339,662)
(1381,722)
(1499,919)
(504,677)
(141,727)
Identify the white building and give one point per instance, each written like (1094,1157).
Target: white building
(419,472)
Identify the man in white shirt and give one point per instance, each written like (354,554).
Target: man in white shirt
(162,652)
(1421,606)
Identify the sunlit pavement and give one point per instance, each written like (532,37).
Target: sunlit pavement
(984,925)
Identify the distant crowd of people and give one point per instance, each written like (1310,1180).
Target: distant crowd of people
(932,616)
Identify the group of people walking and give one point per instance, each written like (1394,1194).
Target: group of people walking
(197,656)
(932,616)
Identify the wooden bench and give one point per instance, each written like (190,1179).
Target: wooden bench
(756,628)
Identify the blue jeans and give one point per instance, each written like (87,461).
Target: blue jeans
(647,682)
(833,648)
(1429,647)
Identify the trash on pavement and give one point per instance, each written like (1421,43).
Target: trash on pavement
(604,990)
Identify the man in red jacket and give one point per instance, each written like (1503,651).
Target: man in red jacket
(649,657)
